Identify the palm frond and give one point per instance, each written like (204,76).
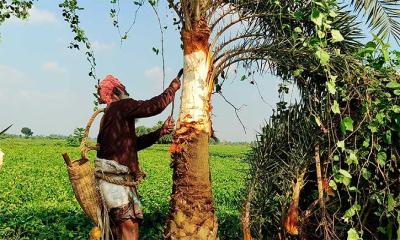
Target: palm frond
(5,129)
(382,16)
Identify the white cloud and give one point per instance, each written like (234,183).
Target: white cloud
(10,76)
(37,16)
(42,16)
(9,73)
(154,73)
(52,67)
(101,47)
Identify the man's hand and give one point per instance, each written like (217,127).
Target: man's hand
(176,83)
(168,126)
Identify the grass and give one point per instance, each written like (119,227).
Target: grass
(37,201)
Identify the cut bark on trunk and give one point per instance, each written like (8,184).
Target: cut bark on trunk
(192,214)
(291,222)
(246,215)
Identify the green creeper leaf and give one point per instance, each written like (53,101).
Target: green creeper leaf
(388,137)
(333,185)
(371,45)
(346,181)
(323,56)
(335,107)
(393,84)
(381,230)
(155,50)
(380,117)
(298,15)
(346,124)
(373,127)
(336,36)
(366,174)
(369,48)
(340,144)
(351,211)
(366,142)
(391,203)
(321,34)
(396,92)
(352,158)
(331,86)
(385,54)
(297,72)
(354,189)
(316,17)
(332,13)
(297,29)
(352,234)
(381,157)
(396,108)
(244,77)
(345,173)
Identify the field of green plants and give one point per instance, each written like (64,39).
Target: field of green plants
(37,201)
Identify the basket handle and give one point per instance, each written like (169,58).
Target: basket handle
(84,147)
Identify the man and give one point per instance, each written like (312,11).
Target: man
(117,154)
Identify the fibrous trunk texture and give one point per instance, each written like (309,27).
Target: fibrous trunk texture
(191,206)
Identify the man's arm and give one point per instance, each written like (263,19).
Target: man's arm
(140,109)
(149,139)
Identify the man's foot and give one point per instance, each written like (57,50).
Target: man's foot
(129,229)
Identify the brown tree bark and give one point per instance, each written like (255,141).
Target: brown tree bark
(192,214)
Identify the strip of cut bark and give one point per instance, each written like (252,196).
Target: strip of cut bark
(291,222)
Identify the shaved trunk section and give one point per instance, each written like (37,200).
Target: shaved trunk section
(192,213)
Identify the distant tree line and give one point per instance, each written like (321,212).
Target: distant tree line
(141,130)
(75,138)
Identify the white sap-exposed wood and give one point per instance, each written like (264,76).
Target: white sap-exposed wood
(195,90)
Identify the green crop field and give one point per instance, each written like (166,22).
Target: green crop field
(37,201)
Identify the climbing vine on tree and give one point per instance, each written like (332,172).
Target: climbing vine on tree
(350,187)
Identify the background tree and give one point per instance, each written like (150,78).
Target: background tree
(75,139)
(141,130)
(26,131)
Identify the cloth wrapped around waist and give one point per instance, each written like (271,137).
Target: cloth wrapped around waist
(115,183)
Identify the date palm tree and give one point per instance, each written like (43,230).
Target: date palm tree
(381,16)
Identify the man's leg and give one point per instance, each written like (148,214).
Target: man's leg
(129,229)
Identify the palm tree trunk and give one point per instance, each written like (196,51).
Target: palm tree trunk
(191,206)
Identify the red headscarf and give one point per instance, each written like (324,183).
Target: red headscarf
(106,87)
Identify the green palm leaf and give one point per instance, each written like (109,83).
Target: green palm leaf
(381,16)
(5,130)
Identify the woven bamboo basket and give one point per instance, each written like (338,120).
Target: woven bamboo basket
(81,175)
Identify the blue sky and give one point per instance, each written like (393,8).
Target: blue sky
(45,86)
